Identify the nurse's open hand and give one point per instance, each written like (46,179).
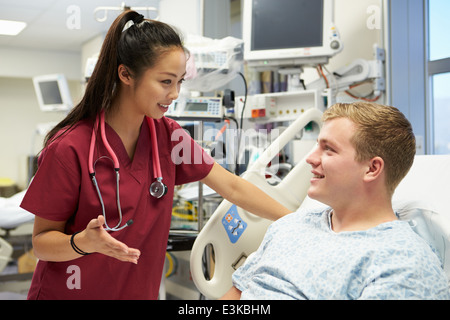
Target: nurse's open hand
(102,242)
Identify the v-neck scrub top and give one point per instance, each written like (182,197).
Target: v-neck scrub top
(62,190)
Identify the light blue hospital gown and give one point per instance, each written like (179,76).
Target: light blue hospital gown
(302,258)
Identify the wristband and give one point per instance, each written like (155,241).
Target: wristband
(75,248)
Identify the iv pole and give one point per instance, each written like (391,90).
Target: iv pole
(122,8)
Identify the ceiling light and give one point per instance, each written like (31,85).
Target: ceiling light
(11,28)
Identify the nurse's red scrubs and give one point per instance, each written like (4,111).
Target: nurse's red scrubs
(62,190)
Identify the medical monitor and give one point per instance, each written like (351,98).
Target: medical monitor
(289,33)
(53,92)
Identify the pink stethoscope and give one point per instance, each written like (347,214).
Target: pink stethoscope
(157,188)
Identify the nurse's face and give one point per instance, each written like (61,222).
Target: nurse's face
(160,85)
(337,176)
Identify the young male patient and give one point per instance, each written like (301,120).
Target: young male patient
(356,248)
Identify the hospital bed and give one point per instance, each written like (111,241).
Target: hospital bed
(11,217)
(422,198)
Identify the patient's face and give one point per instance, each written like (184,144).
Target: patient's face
(337,175)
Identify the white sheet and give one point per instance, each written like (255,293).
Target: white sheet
(11,215)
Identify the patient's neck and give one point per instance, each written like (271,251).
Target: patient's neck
(362,217)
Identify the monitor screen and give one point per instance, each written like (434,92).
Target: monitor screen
(286,33)
(195,106)
(286,24)
(50,92)
(53,93)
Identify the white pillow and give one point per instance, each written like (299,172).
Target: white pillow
(429,225)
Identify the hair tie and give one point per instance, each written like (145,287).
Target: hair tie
(132,22)
(138,19)
(128,25)
(74,246)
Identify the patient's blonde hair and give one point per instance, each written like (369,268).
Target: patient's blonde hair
(381,131)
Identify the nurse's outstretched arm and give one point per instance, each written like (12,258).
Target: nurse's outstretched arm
(244,194)
(50,243)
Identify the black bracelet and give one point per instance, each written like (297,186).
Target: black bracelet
(75,248)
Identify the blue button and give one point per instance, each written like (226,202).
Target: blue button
(233,224)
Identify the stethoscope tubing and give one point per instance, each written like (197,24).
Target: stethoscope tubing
(156,164)
(100,120)
(117,227)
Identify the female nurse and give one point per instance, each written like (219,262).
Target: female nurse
(138,75)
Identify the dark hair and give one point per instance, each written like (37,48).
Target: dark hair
(138,48)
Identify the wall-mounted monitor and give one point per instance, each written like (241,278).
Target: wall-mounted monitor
(53,92)
(289,33)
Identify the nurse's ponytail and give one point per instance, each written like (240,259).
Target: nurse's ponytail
(132,41)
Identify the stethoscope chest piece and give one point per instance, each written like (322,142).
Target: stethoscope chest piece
(158,189)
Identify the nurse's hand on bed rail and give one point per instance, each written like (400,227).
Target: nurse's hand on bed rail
(244,194)
(97,239)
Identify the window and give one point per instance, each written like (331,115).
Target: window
(441,108)
(439,74)
(439,24)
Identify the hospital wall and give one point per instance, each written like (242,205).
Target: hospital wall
(19,117)
(19,111)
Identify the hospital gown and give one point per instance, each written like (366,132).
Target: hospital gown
(301,257)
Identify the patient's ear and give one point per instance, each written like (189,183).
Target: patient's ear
(375,167)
